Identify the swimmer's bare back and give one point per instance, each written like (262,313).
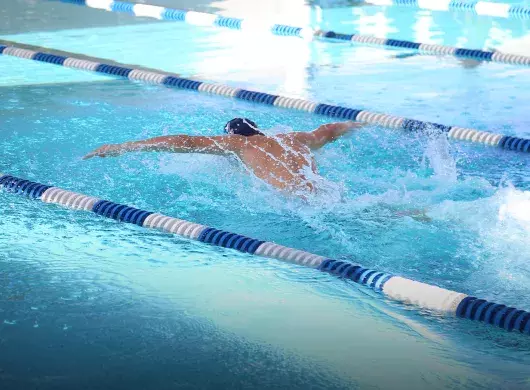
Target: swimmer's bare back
(281,160)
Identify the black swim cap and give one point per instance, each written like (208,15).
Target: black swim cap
(242,126)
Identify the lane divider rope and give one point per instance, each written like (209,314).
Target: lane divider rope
(407,291)
(483,8)
(72,60)
(213,20)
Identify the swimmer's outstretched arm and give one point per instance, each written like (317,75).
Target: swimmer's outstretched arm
(174,144)
(326,133)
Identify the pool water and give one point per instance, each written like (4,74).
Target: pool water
(92,303)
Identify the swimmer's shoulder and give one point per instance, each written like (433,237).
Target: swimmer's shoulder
(288,137)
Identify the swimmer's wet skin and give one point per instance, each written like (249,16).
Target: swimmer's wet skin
(279,160)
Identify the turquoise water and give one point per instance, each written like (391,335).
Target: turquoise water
(98,304)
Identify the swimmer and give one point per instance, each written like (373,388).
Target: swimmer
(466,63)
(279,160)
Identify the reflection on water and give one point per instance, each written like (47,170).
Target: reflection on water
(77,321)
(451,28)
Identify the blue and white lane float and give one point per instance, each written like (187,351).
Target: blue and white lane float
(76,61)
(213,20)
(483,8)
(424,296)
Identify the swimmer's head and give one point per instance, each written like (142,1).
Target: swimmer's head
(242,126)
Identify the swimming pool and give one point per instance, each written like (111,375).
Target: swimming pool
(154,311)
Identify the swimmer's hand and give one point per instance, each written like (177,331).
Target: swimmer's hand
(110,150)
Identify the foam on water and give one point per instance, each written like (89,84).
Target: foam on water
(515,207)
(429,199)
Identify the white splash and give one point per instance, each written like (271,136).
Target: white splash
(438,155)
(515,206)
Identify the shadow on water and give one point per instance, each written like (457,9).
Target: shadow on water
(90,330)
